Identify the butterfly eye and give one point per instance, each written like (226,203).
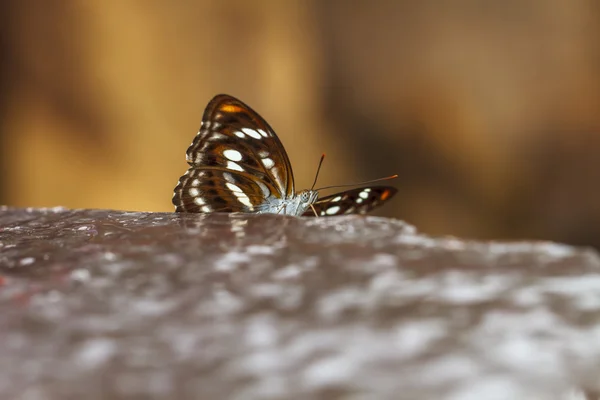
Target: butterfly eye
(305,196)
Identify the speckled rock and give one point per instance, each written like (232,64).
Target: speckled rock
(100,304)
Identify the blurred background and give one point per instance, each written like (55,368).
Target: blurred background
(488,111)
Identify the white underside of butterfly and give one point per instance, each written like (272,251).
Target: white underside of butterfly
(238,164)
(296,205)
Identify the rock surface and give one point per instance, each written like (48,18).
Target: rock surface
(100,304)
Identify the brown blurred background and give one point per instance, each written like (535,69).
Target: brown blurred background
(488,111)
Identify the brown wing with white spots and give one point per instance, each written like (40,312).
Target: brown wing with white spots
(205,190)
(234,146)
(354,201)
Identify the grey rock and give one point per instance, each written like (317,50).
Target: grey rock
(101,304)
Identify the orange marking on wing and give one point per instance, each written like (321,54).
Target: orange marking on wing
(385,195)
(231,108)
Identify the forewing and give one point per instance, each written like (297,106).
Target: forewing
(354,201)
(234,137)
(205,190)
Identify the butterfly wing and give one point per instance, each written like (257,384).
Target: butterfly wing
(354,201)
(235,150)
(204,190)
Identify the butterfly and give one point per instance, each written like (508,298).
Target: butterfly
(238,164)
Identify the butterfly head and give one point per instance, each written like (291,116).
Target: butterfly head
(307,197)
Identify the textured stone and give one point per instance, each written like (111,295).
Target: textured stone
(100,304)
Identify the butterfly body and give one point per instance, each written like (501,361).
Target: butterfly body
(296,205)
(238,164)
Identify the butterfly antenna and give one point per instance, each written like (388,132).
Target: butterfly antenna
(360,183)
(318,169)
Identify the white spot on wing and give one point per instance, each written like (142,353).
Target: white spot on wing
(199,201)
(228,177)
(234,166)
(268,163)
(359,200)
(262,133)
(232,155)
(336,199)
(239,134)
(196,182)
(332,210)
(194,192)
(205,208)
(364,194)
(245,201)
(239,193)
(265,190)
(252,133)
(233,188)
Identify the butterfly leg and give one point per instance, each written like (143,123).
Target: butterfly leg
(314,210)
